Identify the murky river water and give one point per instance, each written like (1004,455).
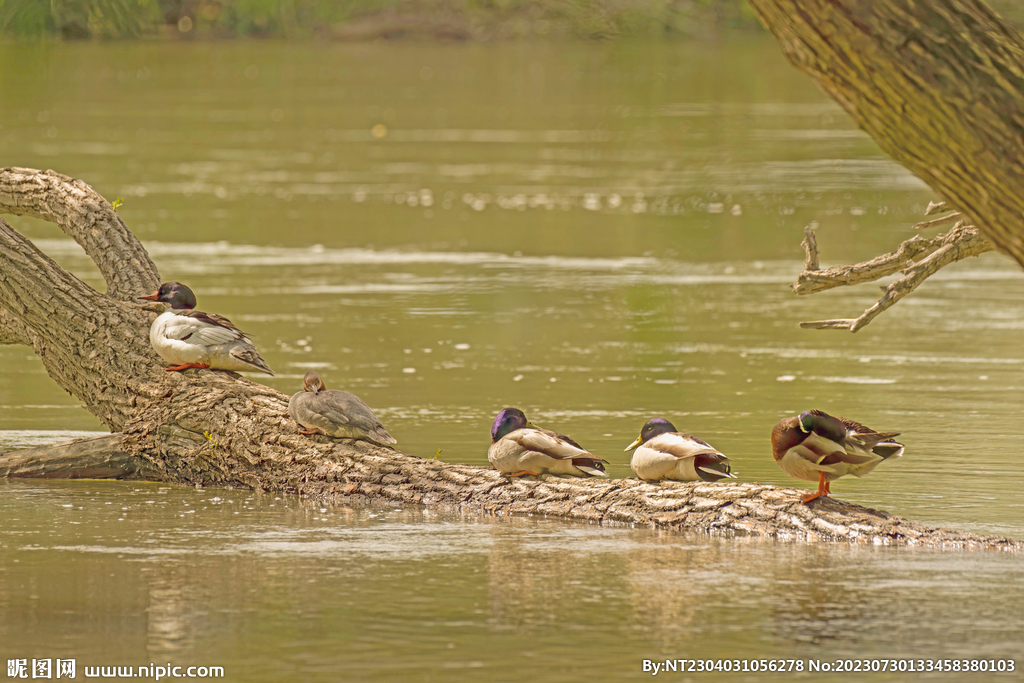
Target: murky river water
(597,233)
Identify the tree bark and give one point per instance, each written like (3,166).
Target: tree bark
(99,457)
(939,84)
(211,428)
(362,474)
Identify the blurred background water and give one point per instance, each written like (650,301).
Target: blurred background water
(597,233)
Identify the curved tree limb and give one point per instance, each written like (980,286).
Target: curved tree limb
(87,218)
(12,331)
(939,85)
(89,344)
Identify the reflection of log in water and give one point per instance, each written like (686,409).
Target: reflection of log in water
(360,473)
(538,584)
(170,616)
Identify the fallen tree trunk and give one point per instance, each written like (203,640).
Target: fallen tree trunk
(359,473)
(210,428)
(99,457)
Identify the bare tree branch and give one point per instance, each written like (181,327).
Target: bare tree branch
(948,218)
(810,245)
(99,457)
(812,280)
(957,244)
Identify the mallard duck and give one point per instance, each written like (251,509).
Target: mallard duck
(817,446)
(661,452)
(193,339)
(519,448)
(335,413)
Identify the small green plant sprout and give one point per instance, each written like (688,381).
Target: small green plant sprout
(435,456)
(117,203)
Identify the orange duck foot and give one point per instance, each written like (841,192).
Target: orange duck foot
(824,489)
(186,366)
(309,432)
(522,474)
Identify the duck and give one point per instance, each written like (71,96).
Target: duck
(519,448)
(188,338)
(335,413)
(662,452)
(817,446)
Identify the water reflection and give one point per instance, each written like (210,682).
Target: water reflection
(170,627)
(270,585)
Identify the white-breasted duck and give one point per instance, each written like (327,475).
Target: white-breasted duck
(662,452)
(188,338)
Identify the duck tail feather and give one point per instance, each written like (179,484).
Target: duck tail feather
(591,466)
(249,356)
(380,435)
(888,449)
(717,474)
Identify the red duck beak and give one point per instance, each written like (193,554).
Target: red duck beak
(151,297)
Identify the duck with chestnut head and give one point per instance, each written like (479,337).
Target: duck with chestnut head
(819,447)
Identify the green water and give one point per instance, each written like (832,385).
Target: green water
(596,233)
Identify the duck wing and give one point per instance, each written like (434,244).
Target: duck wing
(860,430)
(823,450)
(559,447)
(880,443)
(551,444)
(709,463)
(211,329)
(344,408)
(680,445)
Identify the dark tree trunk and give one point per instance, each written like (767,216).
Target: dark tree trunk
(211,428)
(939,84)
